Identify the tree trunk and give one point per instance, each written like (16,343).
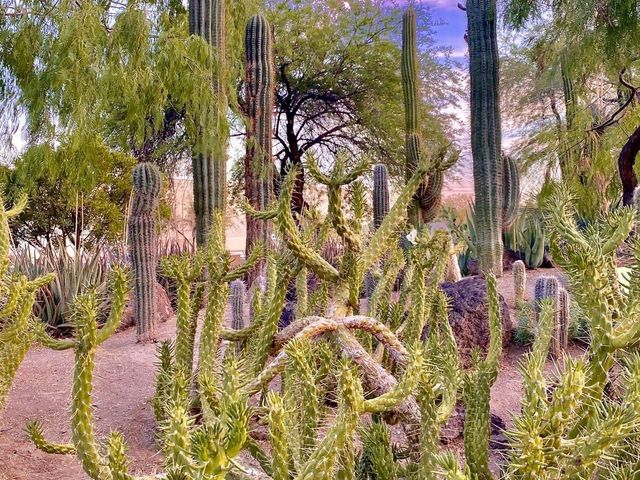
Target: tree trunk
(626,161)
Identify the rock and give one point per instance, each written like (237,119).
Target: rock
(164,310)
(287,316)
(468,316)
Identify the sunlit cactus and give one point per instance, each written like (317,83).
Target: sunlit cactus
(511,192)
(519,281)
(142,234)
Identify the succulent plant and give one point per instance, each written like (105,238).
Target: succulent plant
(488,171)
(380,194)
(519,281)
(511,192)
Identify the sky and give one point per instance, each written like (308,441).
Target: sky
(452,25)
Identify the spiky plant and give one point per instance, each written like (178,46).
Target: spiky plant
(488,168)
(238,293)
(18,295)
(207,18)
(519,281)
(142,235)
(511,192)
(259,86)
(380,194)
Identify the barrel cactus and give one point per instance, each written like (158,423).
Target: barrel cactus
(485,132)
(209,158)
(147,183)
(259,93)
(519,281)
(380,194)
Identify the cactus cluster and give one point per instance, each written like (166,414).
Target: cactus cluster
(549,288)
(143,249)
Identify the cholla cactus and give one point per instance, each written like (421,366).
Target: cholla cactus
(519,281)
(18,295)
(147,183)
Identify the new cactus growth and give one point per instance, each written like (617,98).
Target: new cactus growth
(207,18)
(488,168)
(259,93)
(147,184)
(380,194)
(519,281)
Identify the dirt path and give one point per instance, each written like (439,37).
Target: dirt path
(123,386)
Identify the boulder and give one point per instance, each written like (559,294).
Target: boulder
(164,310)
(468,315)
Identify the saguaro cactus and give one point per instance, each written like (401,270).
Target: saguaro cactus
(238,293)
(209,158)
(147,183)
(410,89)
(380,194)
(258,168)
(511,192)
(519,280)
(485,132)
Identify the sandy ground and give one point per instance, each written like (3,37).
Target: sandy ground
(123,386)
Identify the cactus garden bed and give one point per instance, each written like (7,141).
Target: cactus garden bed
(124,386)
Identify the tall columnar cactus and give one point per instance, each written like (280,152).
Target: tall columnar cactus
(259,93)
(545,288)
(485,132)
(380,194)
(519,281)
(549,288)
(511,192)
(411,92)
(238,293)
(147,183)
(560,339)
(209,158)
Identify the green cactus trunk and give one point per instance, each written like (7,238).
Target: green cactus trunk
(147,183)
(259,92)
(433,196)
(413,139)
(238,293)
(380,194)
(485,132)
(511,192)
(209,158)
(519,281)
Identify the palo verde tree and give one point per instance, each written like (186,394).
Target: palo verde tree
(338,87)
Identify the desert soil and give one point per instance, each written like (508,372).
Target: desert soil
(123,387)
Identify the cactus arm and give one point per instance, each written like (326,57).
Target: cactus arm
(381,238)
(292,237)
(255,257)
(46,340)
(118,296)
(494,351)
(117,459)
(405,387)
(36,435)
(268,214)
(210,335)
(278,438)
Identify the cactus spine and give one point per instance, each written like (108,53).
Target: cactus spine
(259,92)
(380,194)
(511,192)
(485,132)
(147,183)
(519,281)
(413,138)
(209,158)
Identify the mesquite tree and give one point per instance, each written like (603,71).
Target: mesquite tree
(485,132)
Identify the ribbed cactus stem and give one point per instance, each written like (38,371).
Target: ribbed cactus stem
(411,93)
(560,340)
(510,192)
(259,93)
(209,159)
(147,183)
(519,281)
(549,288)
(238,293)
(380,194)
(485,132)
(432,198)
